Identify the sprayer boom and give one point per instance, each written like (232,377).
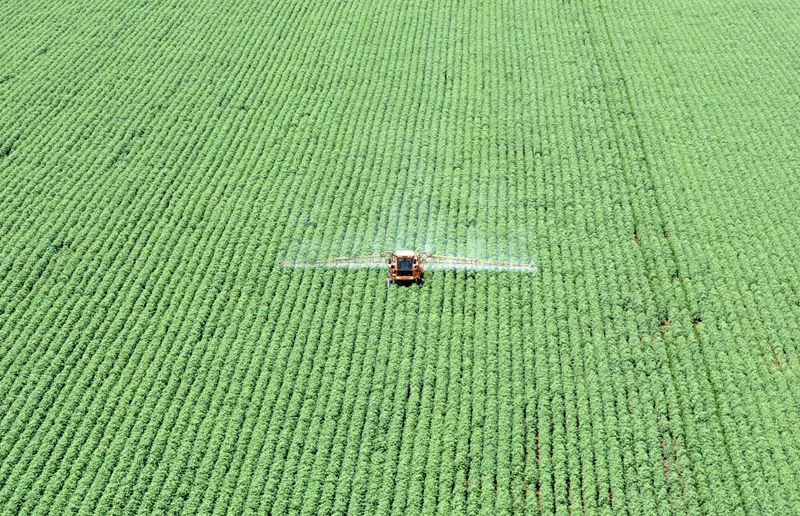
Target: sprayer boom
(409,266)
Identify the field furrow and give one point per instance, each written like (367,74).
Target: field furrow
(161,161)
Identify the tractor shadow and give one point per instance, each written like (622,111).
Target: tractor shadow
(406,283)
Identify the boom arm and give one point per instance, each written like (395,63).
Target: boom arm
(425,259)
(441,261)
(366,261)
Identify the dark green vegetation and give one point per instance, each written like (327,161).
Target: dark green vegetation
(157,159)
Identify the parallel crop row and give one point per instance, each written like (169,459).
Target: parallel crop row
(158,161)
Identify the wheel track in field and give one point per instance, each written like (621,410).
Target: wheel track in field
(641,150)
(762,469)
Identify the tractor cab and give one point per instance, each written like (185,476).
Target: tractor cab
(404,266)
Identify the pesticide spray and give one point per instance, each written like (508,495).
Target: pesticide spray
(409,266)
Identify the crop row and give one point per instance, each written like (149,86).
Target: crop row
(162,159)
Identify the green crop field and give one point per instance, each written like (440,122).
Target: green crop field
(158,160)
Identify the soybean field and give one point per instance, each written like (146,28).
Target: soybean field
(160,159)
